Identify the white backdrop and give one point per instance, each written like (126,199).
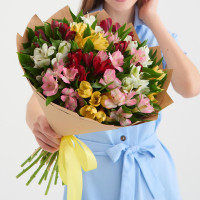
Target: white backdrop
(179,129)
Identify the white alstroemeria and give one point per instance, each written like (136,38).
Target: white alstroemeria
(41,55)
(72,24)
(132,44)
(90,19)
(128,38)
(134,82)
(58,57)
(63,50)
(148,61)
(98,29)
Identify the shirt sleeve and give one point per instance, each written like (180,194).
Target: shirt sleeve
(175,36)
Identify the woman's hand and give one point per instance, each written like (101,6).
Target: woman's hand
(45,136)
(148,10)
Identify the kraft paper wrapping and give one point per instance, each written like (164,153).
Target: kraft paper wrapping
(65,122)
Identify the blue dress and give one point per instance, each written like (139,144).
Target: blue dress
(133,164)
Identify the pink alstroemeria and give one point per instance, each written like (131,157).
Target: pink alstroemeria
(112,37)
(117,60)
(144,104)
(50,85)
(129,101)
(109,76)
(57,69)
(121,117)
(139,56)
(70,98)
(69,74)
(103,55)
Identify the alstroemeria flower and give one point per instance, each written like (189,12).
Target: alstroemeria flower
(144,105)
(70,98)
(121,46)
(88,111)
(113,99)
(103,55)
(121,117)
(95,99)
(41,55)
(100,116)
(112,37)
(85,89)
(50,85)
(57,59)
(57,69)
(106,24)
(109,76)
(117,60)
(40,32)
(87,58)
(69,74)
(129,101)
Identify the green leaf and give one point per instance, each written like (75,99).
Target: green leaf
(110,47)
(26,51)
(66,21)
(126,109)
(79,16)
(142,44)
(157,107)
(110,29)
(48,31)
(125,34)
(52,98)
(58,35)
(154,55)
(94,24)
(88,47)
(34,71)
(159,62)
(74,46)
(31,34)
(96,85)
(31,77)
(121,30)
(73,16)
(55,43)
(24,59)
(106,86)
(39,27)
(26,45)
(151,72)
(87,31)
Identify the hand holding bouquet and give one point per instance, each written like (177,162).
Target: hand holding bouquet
(89,74)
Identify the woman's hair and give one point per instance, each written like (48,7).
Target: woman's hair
(88,5)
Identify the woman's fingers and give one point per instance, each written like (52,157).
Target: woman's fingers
(46,129)
(44,146)
(45,139)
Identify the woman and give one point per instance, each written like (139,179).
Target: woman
(133,164)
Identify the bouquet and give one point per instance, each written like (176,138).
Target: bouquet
(89,74)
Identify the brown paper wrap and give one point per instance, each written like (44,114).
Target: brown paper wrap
(65,122)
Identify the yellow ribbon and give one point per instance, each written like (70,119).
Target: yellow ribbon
(73,155)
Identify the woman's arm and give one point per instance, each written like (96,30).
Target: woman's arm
(186,77)
(37,122)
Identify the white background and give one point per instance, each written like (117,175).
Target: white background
(179,129)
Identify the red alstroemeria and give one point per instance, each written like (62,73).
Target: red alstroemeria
(82,73)
(132,35)
(121,46)
(40,32)
(75,57)
(64,30)
(106,24)
(100,67)
(115,27)
(87,58)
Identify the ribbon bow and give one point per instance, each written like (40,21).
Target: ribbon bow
(142,154)
(73,155)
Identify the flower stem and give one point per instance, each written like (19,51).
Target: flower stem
(32,164)
(56,177)
(51,177)
(30,158)
(43,160)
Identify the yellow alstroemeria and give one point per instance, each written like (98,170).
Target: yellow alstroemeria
(100,43)
(95,99)
(158,70)
(79,28)
(88,111)
(85,89)
(100,116)
(152,98)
